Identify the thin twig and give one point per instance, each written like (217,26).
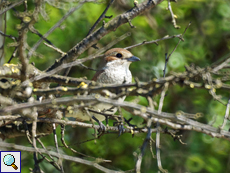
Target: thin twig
(36,163)
(166,62)
(112,43)
(55,48)
(173,16)
(222,65)
(54,27)
(167,58)
(110,26)
(66,157)
(155,41)
(158,130)
(10,36)
(91,30)
(79,61)
(56,145)
(158,149)
(146,141)
(66,146)
(52,161)
(13,54)
(22,53)
(179,40)
(162,98)
(102,16)
(33,30)
(12,6)
(226,115)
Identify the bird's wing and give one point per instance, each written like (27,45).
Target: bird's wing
(97,74)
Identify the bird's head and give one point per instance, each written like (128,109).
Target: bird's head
(119,56)
(115,66)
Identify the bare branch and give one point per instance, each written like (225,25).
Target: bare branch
(102,31)
(55,26)
(102,16)
(167,57)
(154,41)
(173,15)
(66,157)
(11,6)
(226,115)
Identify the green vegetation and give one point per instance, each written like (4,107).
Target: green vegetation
(206,41)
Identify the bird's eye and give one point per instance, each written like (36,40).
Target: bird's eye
(119,55)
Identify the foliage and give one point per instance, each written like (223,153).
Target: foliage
(206,41)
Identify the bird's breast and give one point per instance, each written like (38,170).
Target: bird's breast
(115,76)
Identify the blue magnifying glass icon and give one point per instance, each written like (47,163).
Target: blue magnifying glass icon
(9,160)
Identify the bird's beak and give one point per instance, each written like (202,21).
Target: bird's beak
(133,59)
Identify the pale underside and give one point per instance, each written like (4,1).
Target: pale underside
(115,72)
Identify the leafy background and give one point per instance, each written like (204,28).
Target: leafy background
(207,40)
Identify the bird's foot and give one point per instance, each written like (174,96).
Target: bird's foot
(102,127)
(120,127)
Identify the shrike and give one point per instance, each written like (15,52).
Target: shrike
(115,70)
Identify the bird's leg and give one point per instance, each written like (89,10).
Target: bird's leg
(119,125)
(102,126)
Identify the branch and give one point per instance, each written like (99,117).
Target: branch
(12,6)
(167,57)
(226,115)
(142,111)
(55,26)
(173,16)
(155,41)
(62,156)
(102,16)
(102,31)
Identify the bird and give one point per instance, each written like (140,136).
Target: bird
(114,70)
